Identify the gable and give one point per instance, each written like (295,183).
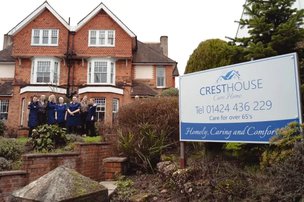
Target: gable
(94,12)
(34,15)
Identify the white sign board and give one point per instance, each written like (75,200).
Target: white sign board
(246,102)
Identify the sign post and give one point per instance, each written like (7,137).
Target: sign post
(246,102)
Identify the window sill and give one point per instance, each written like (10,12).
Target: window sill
(161,87)
(45,45)
(101,46)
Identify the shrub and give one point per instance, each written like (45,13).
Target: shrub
(144,148)
(10,149)
(4,164)
(160,113)
(287,176)
(49,137)
(170,92)
(281,145)
(2,128)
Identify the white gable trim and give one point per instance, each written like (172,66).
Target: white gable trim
(112,15)
(34,14)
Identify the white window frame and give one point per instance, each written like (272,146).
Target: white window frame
(164,77)
(52,61)
(98,39)
(4,103)
(103,102)
(49,37)
(111,71)
(22,112)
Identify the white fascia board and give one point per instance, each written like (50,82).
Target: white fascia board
(34,14)
(52,89)
(112,15)
(100,89)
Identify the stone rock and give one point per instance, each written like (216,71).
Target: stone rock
(141,197)
(62,184)
(166,167)
(163,191)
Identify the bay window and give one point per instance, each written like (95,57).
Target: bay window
(45,37)
(45,71)
(102,38)
(101,71)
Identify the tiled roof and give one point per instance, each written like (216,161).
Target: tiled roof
(6,55)
(141,89)
(6,88)
(150,53)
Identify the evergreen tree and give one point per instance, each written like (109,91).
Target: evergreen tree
(274,28)
(210,54)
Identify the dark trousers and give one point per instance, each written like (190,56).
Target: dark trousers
(90,126)
(41,118)
(83,124)
(73,130)
(61,125)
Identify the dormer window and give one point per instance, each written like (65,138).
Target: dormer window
(101,38)
(45,37)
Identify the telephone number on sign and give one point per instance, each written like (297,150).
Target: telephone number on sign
(263,105)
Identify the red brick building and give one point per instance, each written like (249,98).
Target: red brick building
(100,57)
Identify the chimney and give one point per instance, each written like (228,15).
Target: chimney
(7,41)
(164,44)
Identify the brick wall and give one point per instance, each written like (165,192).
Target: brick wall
(87,160)
(10,181)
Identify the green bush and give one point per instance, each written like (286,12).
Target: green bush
(144,148)
(161,114)
(2,128)
(10,149)
(4,164)
(170,92)
(49,137)
(282,145)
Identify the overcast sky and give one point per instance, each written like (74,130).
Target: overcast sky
(186,23)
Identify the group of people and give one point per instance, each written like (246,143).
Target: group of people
(77,117)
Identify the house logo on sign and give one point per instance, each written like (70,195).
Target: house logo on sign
(231,75)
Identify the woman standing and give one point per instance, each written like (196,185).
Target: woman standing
(33,115)
(42,110)
(60,113)
(73,115)
(90,119)
(51,108)
(83,113)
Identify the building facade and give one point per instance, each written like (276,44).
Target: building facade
(100,57)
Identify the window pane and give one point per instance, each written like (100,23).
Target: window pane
(3,109)
(112,73)
(36,36)
(55,79)
(102,37)
(54,39)
(160,74)
(111,37)
(100,72)
(45,36)
(43,71)
(93,37)
(90,72)
(100,108)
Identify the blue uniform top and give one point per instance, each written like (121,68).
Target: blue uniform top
(51,107)
(61,109)
(73,120)
(91,113)
(33,115)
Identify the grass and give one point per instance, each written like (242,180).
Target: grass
(22,140)
(95,139)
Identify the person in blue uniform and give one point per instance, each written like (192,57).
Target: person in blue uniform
(33,115)
(73,116)
(61,112)
(51,108)
(91,118)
